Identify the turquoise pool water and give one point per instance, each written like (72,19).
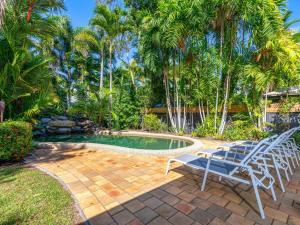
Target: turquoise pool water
(137,142)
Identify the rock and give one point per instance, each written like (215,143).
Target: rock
(45,120)
(86,123)
(62,118)
(77,129)
(63,131)
(62,123)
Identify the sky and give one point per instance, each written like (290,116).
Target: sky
(80,11)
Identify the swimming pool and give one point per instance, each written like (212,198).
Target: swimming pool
(133,142)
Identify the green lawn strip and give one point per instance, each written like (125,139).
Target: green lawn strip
(28,196)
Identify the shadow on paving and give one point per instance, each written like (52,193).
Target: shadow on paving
(180,202)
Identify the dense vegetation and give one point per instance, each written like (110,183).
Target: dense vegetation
(31,197)
(177,53)
(15,140)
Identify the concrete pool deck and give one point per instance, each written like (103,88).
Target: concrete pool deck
(113,188)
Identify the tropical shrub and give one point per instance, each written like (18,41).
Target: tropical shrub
(296,136)
(206,129)
(153,123)
(243,130)
(15,140)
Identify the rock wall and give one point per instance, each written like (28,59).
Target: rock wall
(62,125)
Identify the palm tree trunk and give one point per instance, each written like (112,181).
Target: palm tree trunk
(2,108)
(110,86)
(168,102)
(266,105)
(101,71)
(3,4)
(69,89)
(221,69)
(225,108)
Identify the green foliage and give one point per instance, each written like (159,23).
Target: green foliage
(243,130)
(15,140)
(207,128)
(296,136)
(153,123)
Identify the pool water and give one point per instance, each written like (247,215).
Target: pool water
(137,142)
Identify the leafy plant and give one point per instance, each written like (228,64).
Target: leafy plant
(153,123)
(15,140)
(243,130)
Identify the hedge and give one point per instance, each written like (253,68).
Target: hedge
(15,140)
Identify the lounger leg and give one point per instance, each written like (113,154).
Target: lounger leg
(278,174)
(273,194)
(259,203)
(288,162)
(287,175)
(205,175)
(168,166)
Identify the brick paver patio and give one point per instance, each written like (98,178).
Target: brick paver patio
(113,188)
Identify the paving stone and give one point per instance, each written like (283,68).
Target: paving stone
(159,193)
(217,221)
(186,196)
(290,210)
(115,210)
(276,214)
(174,190)
(166,211)
(218,200)
(123,217)
(170,199)
(146,214)
(255,216)
(159,221)
(294,220)
(144,197)
(235,219)
(201,216)
(184,207)
(134,206)
(235,208)
(219,212)
(180,219)
(135,222)
(233,198)
(102,219)
(153,202)
(202,204)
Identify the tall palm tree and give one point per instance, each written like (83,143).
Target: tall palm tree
(112,24)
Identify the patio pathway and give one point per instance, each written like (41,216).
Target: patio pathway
(114,188)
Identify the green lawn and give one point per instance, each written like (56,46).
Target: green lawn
(28,196)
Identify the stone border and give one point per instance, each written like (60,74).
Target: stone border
(196,146)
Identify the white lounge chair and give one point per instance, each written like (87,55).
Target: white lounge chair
(260,177)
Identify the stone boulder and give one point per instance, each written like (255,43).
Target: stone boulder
(45,120)
(63,130)
(62,123)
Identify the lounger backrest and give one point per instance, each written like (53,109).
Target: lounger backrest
(265,145)
(271,143)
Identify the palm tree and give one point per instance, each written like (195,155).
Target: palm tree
(25,75)
(2,10)
(93,40)
(112,24)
